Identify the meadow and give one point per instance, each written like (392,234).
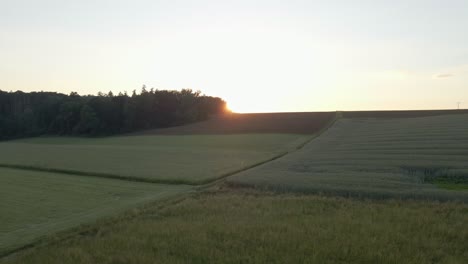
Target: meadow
(422,157)
(190,159)
(248,226)
(35,204)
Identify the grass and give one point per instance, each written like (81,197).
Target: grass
(245,226)
(452,186)
(191,159)
(34,204)
(379,158)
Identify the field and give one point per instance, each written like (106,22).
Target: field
(34,204)
(191,159)
(402,113)
(242,226)
(211,149)
(107,198)
(44,188)
(264,123)
(396,157)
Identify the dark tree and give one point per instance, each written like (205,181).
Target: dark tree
(37,113)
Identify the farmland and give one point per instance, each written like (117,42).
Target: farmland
(288,132)
(54,183)
(274,212)
(34,204)
(153,158)
(402,113)
(263,123)
(171,155)
(396,157)
(245,226)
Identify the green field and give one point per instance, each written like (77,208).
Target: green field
(155,158)
(34,204)
(237,226)
(372,158)
(425,157)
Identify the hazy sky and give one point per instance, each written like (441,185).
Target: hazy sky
(261,55)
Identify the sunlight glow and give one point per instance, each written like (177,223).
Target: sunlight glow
(259,56)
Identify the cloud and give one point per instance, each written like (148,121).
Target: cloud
(443,75)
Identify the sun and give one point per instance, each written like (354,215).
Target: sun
(241,105)
(228,108)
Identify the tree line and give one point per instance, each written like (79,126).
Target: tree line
(38,113)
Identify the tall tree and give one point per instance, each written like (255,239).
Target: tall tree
(30,114)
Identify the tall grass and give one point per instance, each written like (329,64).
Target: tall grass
(244,226)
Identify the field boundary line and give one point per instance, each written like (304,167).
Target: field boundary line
(338,115)
(97,175)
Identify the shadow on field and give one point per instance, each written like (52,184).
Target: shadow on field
(278,123)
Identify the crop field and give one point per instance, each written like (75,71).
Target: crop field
(49,184)
(114,192)
(190,159)
(34,204)
(424,157)
(238,226)
(264,123)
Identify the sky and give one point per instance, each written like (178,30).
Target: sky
(260,56)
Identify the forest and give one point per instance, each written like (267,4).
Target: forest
(39,113)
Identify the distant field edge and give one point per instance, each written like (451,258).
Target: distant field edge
(306,123)
(401,113)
